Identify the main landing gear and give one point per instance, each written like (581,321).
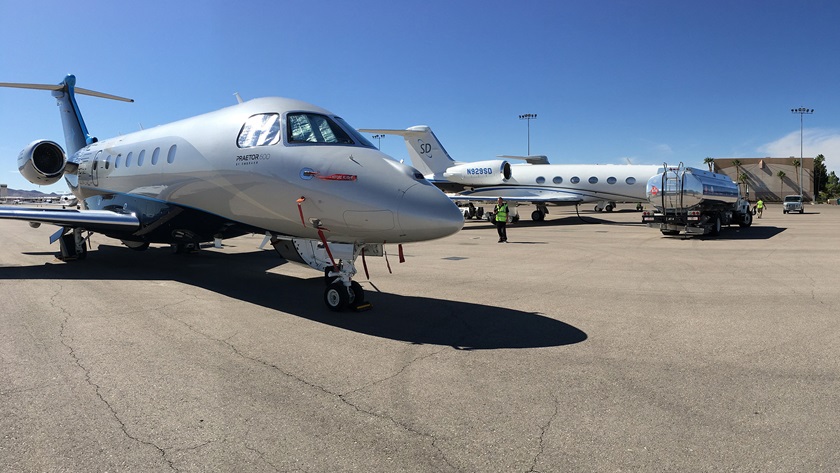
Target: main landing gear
(539,214)
(73,243)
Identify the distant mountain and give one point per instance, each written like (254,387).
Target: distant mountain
(30,194)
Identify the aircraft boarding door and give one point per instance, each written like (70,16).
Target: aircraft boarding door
(94,169)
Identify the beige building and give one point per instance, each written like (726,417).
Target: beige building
(763,181)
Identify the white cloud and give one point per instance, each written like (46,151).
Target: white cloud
(814,141)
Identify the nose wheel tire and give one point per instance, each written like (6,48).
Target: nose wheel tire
(338,297)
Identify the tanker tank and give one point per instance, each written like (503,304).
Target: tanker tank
(686,187)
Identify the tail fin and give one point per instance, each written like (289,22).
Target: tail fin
(76,135)
(426,152)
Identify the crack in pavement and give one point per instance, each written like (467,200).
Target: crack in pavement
(340,396)
(543,431)
(64,341)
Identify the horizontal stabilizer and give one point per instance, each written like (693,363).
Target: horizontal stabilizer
(61,86)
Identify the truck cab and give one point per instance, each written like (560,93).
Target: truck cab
(793,203)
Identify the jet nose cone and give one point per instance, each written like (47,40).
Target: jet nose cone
(426,213)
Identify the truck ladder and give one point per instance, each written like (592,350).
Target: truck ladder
(671,191)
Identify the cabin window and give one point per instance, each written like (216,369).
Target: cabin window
(540,180)
(593,180)
(170,156)
(259,130)
(557,180)
(107,161)
(575,180)
(630,181)
(128,159)
(314,128)
(141,157)
(611,180)
(155,156)
(118,161)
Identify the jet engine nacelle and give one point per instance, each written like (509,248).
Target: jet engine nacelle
(42,162)
(479,173)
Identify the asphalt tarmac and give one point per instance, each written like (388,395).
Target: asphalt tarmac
(586,344)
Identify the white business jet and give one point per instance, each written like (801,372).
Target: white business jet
(319,190)
(535,181)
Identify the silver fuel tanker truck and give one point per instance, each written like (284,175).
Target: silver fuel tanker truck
(694,202)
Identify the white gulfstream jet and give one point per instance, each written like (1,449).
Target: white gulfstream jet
(282,167)
(535,182)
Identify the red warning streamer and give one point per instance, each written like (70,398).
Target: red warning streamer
(364,264)
(327,247)
(300,210)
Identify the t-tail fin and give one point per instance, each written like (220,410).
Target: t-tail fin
(426,152)
(76,135)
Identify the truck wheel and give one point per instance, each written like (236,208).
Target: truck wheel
(747,221)
(715,227)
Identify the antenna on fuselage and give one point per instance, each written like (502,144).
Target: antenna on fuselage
(238,97)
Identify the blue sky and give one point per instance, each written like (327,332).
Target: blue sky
(610,81)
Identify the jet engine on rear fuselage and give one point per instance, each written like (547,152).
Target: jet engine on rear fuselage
(42,162)
(479,173)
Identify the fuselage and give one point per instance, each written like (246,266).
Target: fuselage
(587,182)
(272,164)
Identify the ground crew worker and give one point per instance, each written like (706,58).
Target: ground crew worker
(759,207)
(501,212)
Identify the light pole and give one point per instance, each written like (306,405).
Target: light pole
(801,111)
(379,140)
(529,117)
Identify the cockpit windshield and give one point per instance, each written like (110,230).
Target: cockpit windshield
(311,128)
(360,139)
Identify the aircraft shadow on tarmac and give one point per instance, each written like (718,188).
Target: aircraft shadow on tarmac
(243,276)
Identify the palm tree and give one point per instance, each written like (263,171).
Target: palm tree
(737,164)
(796,164)
(781,175)
(710,162)
(743,180)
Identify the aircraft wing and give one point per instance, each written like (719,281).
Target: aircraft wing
(549,198)
(103,221)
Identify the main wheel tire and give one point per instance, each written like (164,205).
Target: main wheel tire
(537,216)
(336,296)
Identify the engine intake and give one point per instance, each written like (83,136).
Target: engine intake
(480,172)
(42,162)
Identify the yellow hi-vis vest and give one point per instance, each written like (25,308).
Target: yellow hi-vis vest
(501,213)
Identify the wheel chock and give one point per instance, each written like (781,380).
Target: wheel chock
(361,307)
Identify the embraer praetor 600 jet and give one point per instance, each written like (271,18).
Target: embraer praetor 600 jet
(278,166)
(536,181)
